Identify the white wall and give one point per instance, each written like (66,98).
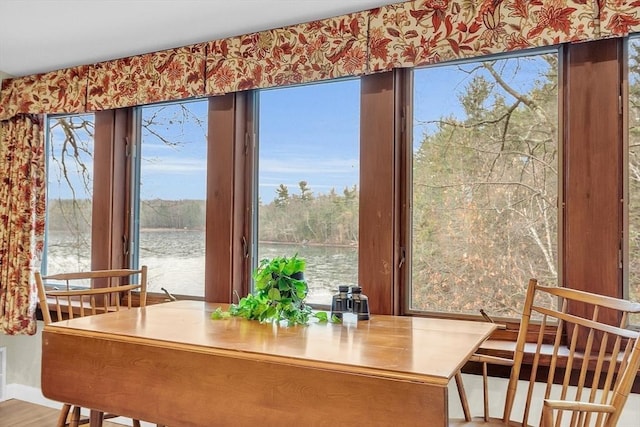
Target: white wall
(23,354)
(3,75)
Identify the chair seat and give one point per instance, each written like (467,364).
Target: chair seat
(480,422)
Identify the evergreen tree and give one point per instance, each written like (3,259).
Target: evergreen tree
(282,198)
(305,191)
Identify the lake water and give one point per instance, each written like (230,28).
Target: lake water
(175,261)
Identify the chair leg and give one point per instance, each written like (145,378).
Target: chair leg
(136,423)
(485,391)
(463,397)
(64,413)
(75,417)
(547,416)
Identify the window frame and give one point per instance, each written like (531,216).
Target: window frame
(255,178)
(135,170)
(384,109)
(407,182)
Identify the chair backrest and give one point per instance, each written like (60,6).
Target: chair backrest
(593,362)
(89,292)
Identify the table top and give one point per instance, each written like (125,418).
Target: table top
(406,348)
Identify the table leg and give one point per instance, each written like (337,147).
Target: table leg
(95,418)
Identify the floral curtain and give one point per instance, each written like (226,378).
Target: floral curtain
(314,51)
(22,206)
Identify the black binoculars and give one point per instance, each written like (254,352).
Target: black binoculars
(350,301)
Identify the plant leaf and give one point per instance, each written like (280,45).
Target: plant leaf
(322,316)
(274,294)
(218,314)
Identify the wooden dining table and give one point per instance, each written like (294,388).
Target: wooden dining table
(172,364)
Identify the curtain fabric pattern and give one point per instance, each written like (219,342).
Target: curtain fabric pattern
(22,208)
(406,34)
(314,51)
(145,79)
(54,92)
(423,32)
(619,17)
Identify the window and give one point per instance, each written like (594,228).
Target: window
(169,196)
(485,184)
(633,172)
(69,193)
(308,178)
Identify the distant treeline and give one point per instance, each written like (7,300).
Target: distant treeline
(76,214)
(325,219)
(305,218)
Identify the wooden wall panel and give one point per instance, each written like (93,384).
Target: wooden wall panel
(593,209)
(219,199)
(121,188)
(110,191)
(225,219)
(378,195)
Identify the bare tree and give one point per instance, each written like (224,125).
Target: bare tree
(485,191)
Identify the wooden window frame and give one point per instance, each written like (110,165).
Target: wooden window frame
(384,173)
(593,169)
(229,186)
(111,183)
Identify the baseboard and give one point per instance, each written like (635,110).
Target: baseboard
(30,394)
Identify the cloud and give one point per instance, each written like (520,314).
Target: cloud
(166,166)
(308,166)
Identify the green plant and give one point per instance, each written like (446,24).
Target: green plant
(280,291)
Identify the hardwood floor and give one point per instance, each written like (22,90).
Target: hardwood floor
(17,413)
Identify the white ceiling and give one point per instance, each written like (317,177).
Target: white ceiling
(44,35)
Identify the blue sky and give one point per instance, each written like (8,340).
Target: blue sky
(306,133)
(309,133)
(178,170)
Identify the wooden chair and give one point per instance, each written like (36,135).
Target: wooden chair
(81,294)
(592,380)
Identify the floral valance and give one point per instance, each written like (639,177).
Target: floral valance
(145,79)
(428,31)
(618,18)
(403,34)
(54,92)
(314,51)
